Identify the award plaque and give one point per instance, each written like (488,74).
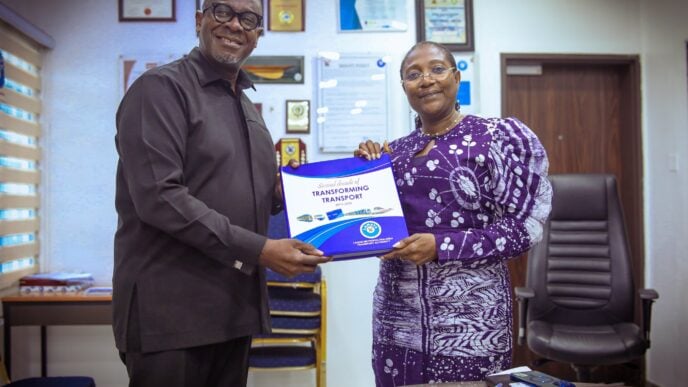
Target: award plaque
(286,15)
(348,208)
(287,149)
(298,115)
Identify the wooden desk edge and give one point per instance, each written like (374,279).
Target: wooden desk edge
(57,298)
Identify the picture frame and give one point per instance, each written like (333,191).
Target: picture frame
(372,16)
(275,69)
(147,10)
(297,116)
(449,22)
(286,15)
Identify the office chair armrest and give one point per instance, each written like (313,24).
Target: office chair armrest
(523,294)
(648,296)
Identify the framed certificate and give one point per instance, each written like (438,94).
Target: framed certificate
(147,10)
(449,22)
(298,116)
(286,15)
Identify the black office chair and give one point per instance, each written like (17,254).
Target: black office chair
(578,305)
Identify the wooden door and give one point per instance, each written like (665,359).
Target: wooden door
(585,110)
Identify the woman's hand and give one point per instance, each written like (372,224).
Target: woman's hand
(371,150)
(418,248)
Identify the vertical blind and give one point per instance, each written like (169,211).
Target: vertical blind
(20,109)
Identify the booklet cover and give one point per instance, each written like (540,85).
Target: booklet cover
(348,208)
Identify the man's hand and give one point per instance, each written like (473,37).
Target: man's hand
(417,248)
(290,257)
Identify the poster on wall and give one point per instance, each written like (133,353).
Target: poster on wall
(132,66)
(372,15)
(467,96)
(352,97)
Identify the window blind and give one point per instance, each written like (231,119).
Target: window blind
(20,155)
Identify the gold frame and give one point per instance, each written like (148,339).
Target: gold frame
(291,18)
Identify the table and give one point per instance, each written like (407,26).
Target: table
(52,309)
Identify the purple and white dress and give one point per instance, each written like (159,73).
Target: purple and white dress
(482,191)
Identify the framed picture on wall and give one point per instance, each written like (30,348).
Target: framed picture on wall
(147,10)
(298,116)
(286,15)
(372,15)
(274,69)
(449,22)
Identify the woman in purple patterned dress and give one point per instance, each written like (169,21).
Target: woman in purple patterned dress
(474,193)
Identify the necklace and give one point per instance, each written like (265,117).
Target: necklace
(443,131)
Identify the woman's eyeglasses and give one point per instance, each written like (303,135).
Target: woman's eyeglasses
(438,73)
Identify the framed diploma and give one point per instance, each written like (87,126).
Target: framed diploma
(286,15)
(297,116)
(449,22)
(147,10)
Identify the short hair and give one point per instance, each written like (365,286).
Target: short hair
(207,3)
(447,54)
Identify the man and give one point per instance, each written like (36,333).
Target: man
(196,182)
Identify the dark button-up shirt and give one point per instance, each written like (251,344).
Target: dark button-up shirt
(195,184)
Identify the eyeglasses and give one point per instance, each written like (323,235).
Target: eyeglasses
(223,13)
(437,73)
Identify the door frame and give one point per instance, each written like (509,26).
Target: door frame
(631,141)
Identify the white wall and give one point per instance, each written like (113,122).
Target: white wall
(665,121)
(81,96)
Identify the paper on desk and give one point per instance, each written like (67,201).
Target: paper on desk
(512,370)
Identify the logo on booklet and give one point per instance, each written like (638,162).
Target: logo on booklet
(370,229)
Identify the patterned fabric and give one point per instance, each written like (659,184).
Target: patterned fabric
(293,300)
(288,322)
(482,192)
(275,357)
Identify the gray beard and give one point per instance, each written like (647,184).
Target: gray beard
(228,59)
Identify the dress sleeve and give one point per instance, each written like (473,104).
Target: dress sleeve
(521,193)
(151,142)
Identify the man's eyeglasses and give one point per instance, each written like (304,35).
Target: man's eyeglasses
(438,73)
(223,13)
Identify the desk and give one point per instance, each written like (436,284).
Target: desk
(44,310)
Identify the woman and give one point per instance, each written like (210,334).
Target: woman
(474,193)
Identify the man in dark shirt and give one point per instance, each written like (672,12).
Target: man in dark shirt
(196,183)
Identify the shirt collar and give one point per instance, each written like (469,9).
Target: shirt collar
(207,74)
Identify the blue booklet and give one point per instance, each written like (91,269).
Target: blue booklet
(348,208)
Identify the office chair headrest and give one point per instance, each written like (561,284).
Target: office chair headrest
(580,196)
